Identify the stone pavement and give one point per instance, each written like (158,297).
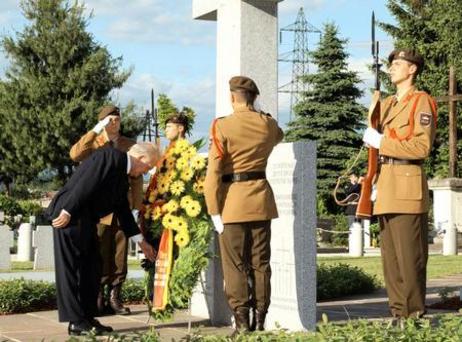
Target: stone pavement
(43,326)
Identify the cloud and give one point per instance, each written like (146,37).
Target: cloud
(292,6)
(152,21)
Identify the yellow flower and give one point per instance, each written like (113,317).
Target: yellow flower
(147,213)
(193,209)
(170,163)
(181,145)
(171,206)
(153,196)
(198,187)
(163,187)
(187,174)
(177,188)
(171,175)
(181,163)
(185,201)
(169,221)
(156,213)
(180,224)
(198,162)
(189,153)
(182,239)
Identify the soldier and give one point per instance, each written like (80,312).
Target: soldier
(241,202)
(113,243)
(404,139)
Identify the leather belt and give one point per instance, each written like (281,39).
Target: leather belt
(243,176)
(394,161)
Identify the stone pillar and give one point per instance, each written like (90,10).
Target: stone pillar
(366,233)
(355,240)
(25,242)
(247,41)
(447,213)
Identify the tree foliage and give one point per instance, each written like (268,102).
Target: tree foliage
(133,122)
(329,112)
(434,29)
(58,78)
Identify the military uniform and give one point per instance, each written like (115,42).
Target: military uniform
(236,188)
(402,201)
(113,243)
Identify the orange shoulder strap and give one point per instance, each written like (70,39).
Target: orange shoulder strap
(215,139)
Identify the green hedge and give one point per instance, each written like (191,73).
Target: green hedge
(343,280)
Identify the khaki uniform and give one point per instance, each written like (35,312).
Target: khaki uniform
(113,243)
(242,142)
(403,200)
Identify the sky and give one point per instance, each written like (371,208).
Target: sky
(174,54)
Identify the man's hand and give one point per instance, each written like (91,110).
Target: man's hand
(372,137)
(62,220)
(101,124)
(218,223)
(148,251)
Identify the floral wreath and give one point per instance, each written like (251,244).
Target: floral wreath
(175,201)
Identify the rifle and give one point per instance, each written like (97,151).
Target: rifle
(364,209)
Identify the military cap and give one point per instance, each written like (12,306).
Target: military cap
(108,110)
(411,56)
(243,83)
(178,118)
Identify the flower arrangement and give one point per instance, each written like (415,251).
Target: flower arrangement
(175,202)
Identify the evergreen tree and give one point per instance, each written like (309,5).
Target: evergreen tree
(132,123)
(58,78)
(329,112)
(434,29)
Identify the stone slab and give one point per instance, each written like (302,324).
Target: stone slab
(42,241)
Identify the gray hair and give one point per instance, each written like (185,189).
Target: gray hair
(145,149)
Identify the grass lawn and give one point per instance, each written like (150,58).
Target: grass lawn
(438,265)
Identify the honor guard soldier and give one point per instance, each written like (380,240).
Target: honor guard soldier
(404,139)
(241,202)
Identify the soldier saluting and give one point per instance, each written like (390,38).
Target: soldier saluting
(241,202)
(404,139)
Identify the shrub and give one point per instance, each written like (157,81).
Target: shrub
(340,225)
(132,291)
(21,295)
(343,280)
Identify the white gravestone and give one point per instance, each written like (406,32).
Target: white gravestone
(447,213)
(43,248)
(25,242)
(291,172)
(6,241)
(247,40)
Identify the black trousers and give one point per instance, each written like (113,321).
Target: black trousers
(78,270)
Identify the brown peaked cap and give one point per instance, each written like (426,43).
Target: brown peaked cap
(409,55)
(108,110)
(243,83)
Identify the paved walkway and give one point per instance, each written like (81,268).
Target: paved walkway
(43,326)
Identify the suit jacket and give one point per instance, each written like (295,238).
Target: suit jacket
(403,188)
(98,187)
(246,139)
(89,143)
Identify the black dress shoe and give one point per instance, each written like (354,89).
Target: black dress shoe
(82,328)
(97,324)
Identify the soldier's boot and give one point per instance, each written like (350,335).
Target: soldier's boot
(260,320)
(116,303)
(241,319)
(100,301)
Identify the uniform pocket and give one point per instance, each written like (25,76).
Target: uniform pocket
(408,182)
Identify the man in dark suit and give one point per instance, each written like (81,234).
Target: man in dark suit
(98,187)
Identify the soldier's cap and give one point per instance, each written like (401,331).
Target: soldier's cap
(243,83)
(178,118)
(108,110)
(409,55)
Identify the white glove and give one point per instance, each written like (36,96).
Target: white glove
(135,214)
(101,124)
(372,137)
(218,223)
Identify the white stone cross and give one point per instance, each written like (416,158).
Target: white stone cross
(6,241)
(43,248)
(247,39)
